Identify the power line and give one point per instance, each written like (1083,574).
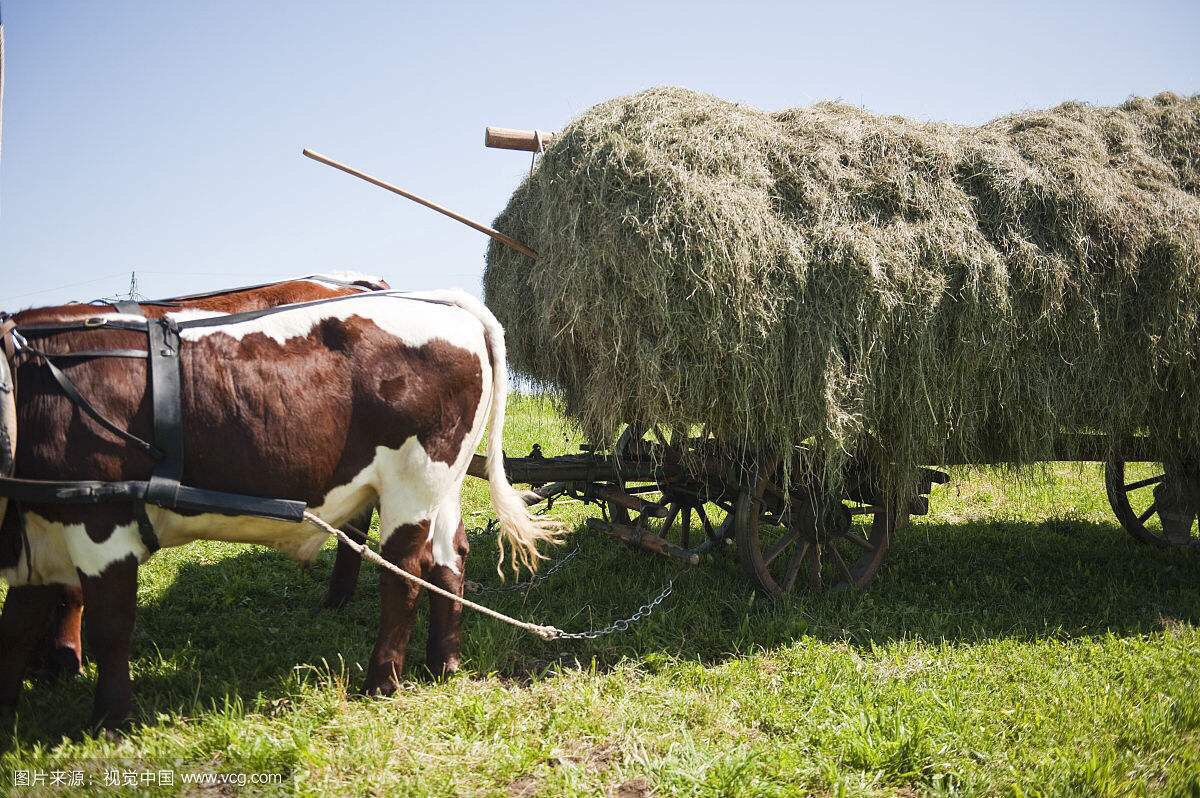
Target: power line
(68,285)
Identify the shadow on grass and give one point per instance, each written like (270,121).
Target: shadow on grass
(246,627)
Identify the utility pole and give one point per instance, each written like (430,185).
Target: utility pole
(134,295)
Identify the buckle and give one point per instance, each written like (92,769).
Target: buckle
(94,321)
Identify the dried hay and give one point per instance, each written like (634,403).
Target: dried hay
(827,275)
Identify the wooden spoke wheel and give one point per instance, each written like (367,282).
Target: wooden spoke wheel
(681,506)
(1143,505)
(809,543)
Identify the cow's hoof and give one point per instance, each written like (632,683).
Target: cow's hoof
(111,734)
(379,685)
(335,600)
(379,690)
(107,728)
(64,662)
(443,669)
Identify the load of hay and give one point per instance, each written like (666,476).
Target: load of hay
(827,276)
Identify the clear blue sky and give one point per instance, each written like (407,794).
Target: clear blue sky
(165,137)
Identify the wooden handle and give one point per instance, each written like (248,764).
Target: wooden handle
(503,138)
(458,217)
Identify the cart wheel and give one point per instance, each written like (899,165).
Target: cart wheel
(685,511)
(834,548)
(1139,506)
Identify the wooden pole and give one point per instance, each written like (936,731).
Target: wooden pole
(483,228)
(503,138)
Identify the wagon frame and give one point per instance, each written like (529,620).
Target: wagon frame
(660,493)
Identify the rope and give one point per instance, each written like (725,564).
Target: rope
(544,632)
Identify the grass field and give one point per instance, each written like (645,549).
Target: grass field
(1015,643)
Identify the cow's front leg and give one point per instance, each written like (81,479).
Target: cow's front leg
(445,615)
(28,613)
(405,548)
(111,599)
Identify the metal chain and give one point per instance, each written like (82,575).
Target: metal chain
(528,584)
(622,625)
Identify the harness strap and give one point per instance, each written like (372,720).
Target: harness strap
(127,306)
(199,500)
(140,354)
(166,395)
(94,323)
(68,387)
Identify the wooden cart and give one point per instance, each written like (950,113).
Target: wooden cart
(683,495)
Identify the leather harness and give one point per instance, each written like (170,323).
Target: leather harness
(162,353)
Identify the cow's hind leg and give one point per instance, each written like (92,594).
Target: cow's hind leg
(445,615)
(347,564)
(405,547)
(24,624)
(111,599)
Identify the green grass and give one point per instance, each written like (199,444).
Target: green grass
(1015,643)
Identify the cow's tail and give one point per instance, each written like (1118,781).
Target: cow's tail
(523,531)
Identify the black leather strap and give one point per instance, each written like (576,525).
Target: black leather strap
(128,307)
(39,491)
(68,387)
(85,353)
(93,323)
(166,395)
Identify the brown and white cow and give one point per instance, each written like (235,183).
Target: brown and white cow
(62,653)
(364,399)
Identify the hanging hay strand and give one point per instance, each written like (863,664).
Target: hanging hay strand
(830,276)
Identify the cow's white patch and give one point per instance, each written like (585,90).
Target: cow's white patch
(189,314)
(52,563)
(407,483)
(92,557)
(57,549)
(442,529)
(109,315)
(413,322)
